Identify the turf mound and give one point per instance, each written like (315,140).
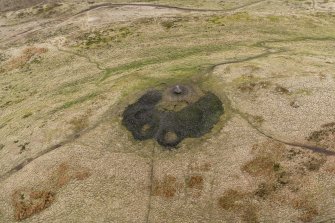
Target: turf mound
(183,116)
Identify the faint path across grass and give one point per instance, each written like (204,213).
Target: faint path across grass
(270,51)
(98,65)
(113,5)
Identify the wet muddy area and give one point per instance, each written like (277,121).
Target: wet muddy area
(171,115)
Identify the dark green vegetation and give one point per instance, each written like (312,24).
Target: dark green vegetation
(169,128)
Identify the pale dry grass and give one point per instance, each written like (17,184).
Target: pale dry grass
(240,175)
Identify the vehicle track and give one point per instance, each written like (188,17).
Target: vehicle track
(270,51)
(113,5)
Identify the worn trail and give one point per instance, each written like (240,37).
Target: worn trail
(113,5)
(271,51)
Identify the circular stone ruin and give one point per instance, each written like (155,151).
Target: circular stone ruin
(171,115)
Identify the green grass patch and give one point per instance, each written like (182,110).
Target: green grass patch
(28,114)
(76,101)
(236,17)
(169,54)
(103,37)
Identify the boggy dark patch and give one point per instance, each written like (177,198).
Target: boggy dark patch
(328,131)
(145,120)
